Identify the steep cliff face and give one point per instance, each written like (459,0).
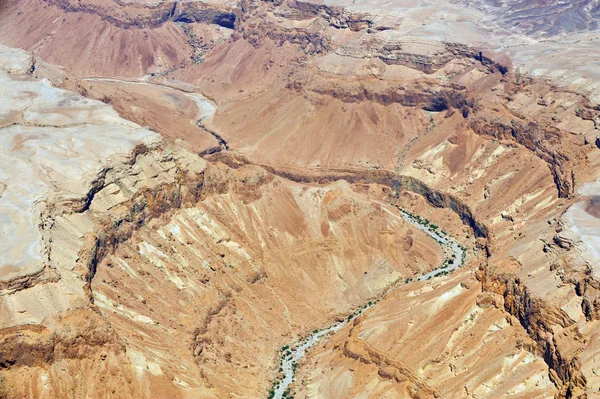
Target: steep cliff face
(545,142)
(427,95)
(135,15)
(309,42)
(82,334)
(428,56)
(397,183)
(541,321)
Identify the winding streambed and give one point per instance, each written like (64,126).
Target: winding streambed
(206,107)
(290,355)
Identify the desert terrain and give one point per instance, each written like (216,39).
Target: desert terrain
(307,199)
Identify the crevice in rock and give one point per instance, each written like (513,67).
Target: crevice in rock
(222,142)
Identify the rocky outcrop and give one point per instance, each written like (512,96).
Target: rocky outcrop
(310,41)
(355,348)
(337,17)
(27,281)
(539,320)
(428,97)
(193,13)
(82,333)
(256,27)
(587,289)
(390,179)
(423,55)
(487,60)
(176,183)
(200,336)
(134,15)
(589,112)
(397,183)
(547,143)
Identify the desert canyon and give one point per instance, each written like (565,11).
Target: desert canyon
(300,199)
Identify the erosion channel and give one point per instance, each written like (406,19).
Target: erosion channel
(291,355)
